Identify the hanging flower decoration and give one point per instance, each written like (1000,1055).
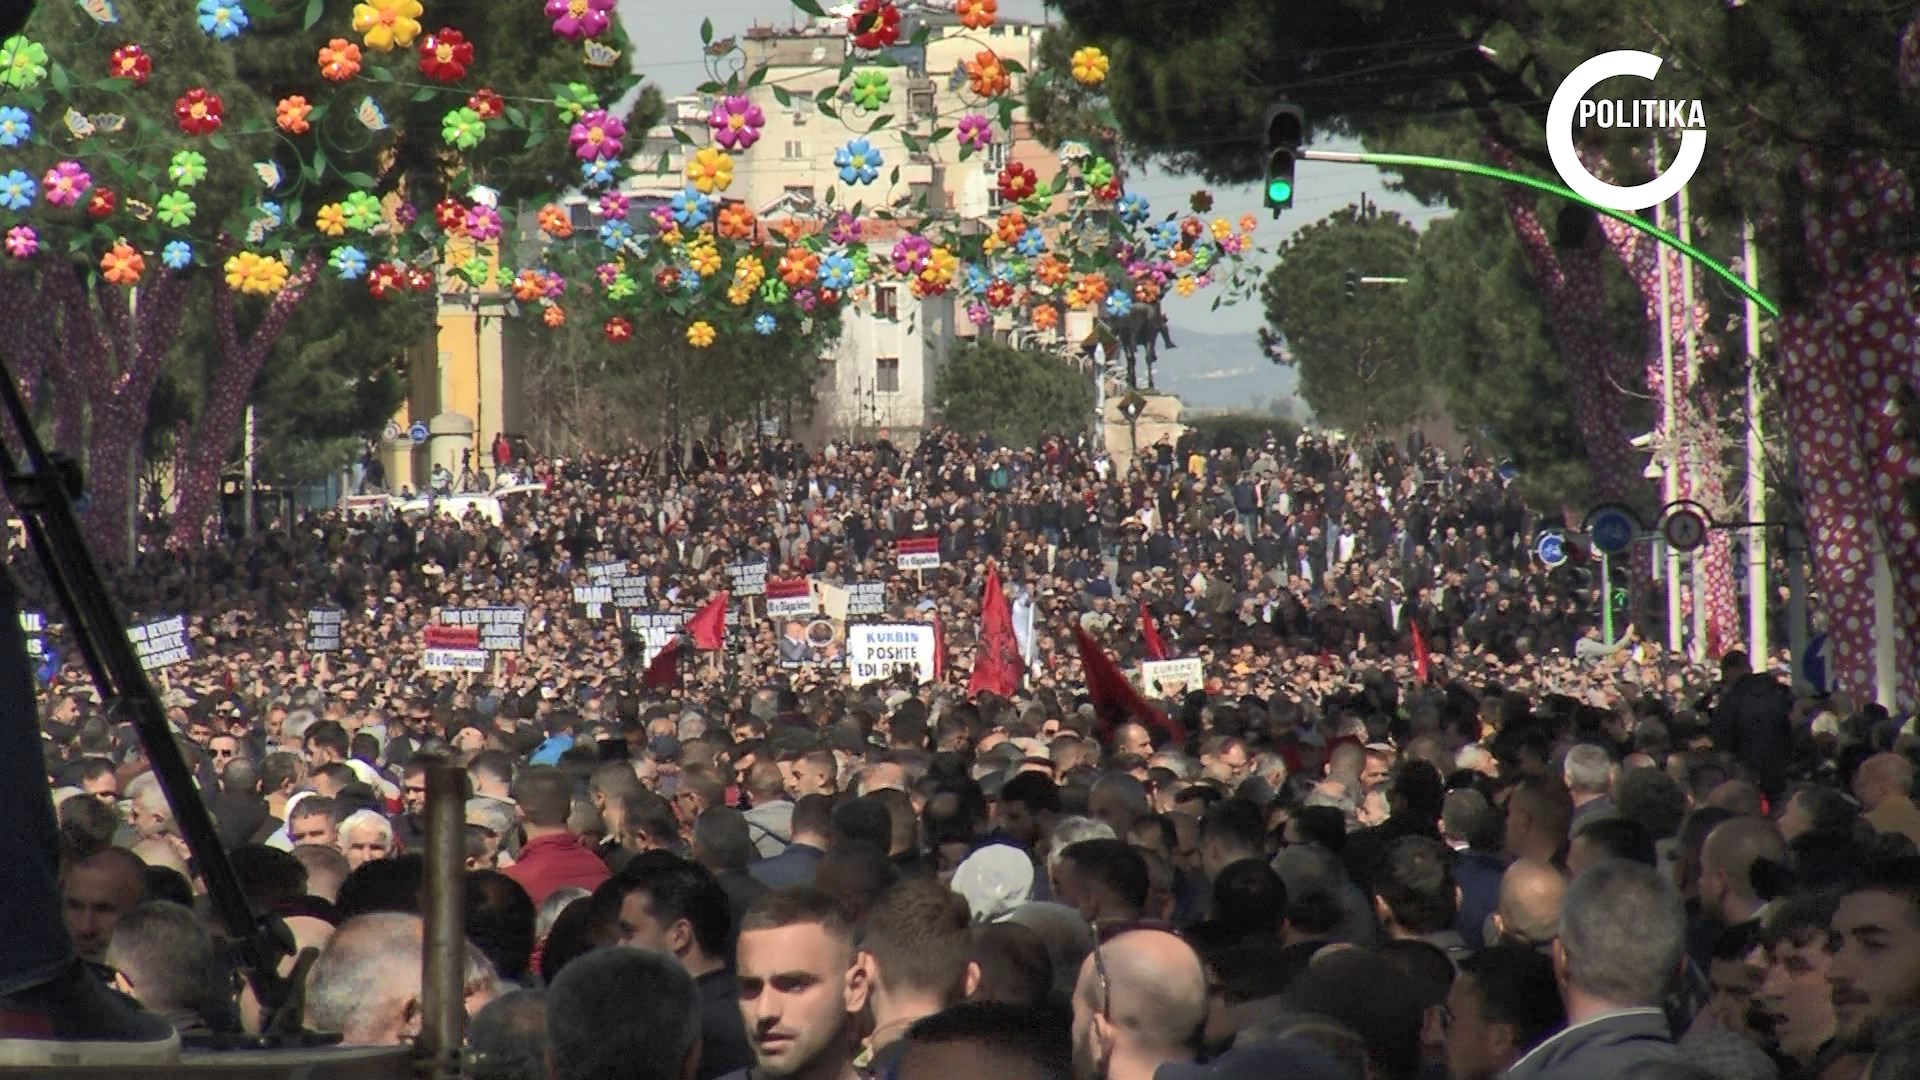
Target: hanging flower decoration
(765,324)
(1090,65)
(577,20)
(339,60)
(690,209)
(736,122)
(597,136)
(462,128)
(987,77)
(487,103)
(974,131)
(554,221)
(187,168)
(871,89)
(977,14)
(1017,181)
(16,126)
(177,255)
(291,114)
(23,62)
(349,263)
(122,265)
(875,24)
(451,216)
(445,55)
(130,62)
(483,223)
(554,316)
(17,190)
(615,206)
(735,222)
(330,220)
(22,242)
(386,281)
(65,183)
(700,334)
(199,111)
(101,204)
(619,328)
(385,25)
(710,170)
(222,19)
(859,162)
(254,274)
(361,210)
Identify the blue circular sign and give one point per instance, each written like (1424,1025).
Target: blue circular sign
(1612,530)
(1551,547)
(418,432)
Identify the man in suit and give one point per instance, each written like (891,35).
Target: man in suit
(812,825)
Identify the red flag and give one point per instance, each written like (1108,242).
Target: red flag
(996,660)
(664,669)
(1115,701)
(1422,659)
(1150,633)
(709,625)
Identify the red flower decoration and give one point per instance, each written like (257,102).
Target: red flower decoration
(875,24)
(101,203)
(419,280)
(385,280)
(1017,181)
(445,55)
(618,329)
(487,103)
(198,111)
(450,216)
(829,297)
(1202,201)
(666,279)
(130,62)
(999,294)
(1109,191)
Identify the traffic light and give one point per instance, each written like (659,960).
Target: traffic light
(1353,285)
(1286,128)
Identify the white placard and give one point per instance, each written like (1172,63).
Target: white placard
(593,594)
(631,591)
(875,651)
(1188,672)
(160,644)
(323,629)
(748,578)
(606,571)
(454,660)
(654,629)
(866,598)
(34,625)
(790,599)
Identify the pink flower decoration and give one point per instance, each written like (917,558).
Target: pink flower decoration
(22,242)
(576,19)
(65,183)
(805,299)
(483,222)
(614,206)
(974,130)
(606,272)
(662,216)
(597,136)
(736,123)
(845,228)
(910,254)
(978,315)
(406,214)
(556,286)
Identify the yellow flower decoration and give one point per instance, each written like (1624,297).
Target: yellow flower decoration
(1248,223)
(1090,66)
(990,244)
(1184,285)
(710,170)
(704,259)
(738,295)
(750,271)
(700,334)
(330,219)
(387,24)
(941,264)
(1222,228)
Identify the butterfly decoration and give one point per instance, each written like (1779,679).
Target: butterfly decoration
(84,127)
(268,172)
(140,211)
(101,11)
(601,55)
(370,116)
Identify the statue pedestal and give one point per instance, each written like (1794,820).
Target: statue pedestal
(1159,416)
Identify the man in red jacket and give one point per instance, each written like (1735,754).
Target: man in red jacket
(552,857)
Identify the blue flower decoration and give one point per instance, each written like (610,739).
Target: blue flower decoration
(1133,209)
(1031,243)
(836,273)
(976,282)
(614,233)
(859,162)
(1004,272)
(691,281)
(598,172)
(1119,304)
(765,324)
(223,19)
(16,190)
(690,208)
(16,126)
(178,255)
(1163,236)
(348,262)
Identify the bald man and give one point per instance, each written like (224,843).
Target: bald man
(95,892)
(1530,894)
(1743,797)
(1884,785)
(358,990)
(1139,1004)
(1727,860)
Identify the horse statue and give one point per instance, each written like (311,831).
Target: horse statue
(1144,326)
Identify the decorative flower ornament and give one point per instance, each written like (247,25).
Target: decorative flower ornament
(16,126)
(462,128)
(576,20)
(101,204)
(122,265)
(387,24)
(1133,209)
(700,334)
(976,14)
(349,262)
(291,114)
(1017,181)
(987,76)
(483,223)
(339,60)
(619,328)
(875,24)
(1045,317)
(554,316)
(736,123)
(859,162)
(487,103)
(445,55)
(17,190)
(1119,305)
(597,136)
(222,19)
(177,255)
(735,222)
(362,211)
(330,220)
(199,111)
(130,62)
(974,131)
(22,242)
(871,88)
(187,168)
(1090,65)
(765,324)
(23,62)
(65,183)
(690,208)
(574,100)
(710,170)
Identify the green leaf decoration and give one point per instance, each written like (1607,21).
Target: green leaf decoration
(425,93)
(706,31)
(811,7)
(680,136)
(881,121)
(62,84)
(782,95)
(759,76)
(358,179)
(315,9)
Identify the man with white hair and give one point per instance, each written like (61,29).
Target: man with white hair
(147,809)
(1588,773)
(358,988)
(365,836)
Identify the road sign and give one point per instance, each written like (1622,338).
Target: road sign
(1612,528)
(1816,664)
(1685,529)
(418,432)
(1551,548)
(391,432)
(1508,471)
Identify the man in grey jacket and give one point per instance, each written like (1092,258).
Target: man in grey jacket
(1622,936)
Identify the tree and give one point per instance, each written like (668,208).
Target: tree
(1358,358)
(1018,395)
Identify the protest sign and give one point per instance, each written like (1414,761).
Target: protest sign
(502,629)
(160,644)
(878,651)
(917,552)
(323,629)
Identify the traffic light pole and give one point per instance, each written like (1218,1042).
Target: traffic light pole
(1491,172)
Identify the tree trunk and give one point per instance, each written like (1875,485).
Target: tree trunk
(226,406)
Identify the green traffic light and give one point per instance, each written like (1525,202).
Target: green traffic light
(1279,189)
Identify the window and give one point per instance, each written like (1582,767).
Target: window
(886,374)
(800,116)
(886,303)
(998,154)
(921,102)
(794,148)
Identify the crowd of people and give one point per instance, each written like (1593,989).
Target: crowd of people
(1418,819)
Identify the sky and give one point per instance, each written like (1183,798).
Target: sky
(666,50)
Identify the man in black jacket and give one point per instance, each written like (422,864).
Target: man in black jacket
(1752,721)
